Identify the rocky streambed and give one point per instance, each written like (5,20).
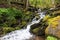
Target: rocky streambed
(46,24)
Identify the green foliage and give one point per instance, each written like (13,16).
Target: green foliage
(41,3)
(10,15)
(51,38)
(44,3)
(8,19)
(13,19)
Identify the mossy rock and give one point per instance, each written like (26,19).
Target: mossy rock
(36,30)
(7,29)
(53,26)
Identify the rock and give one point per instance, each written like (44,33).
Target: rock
(37,29)
(53,27)
(39,38)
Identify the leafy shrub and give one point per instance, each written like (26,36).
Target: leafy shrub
(13,19)
(10,15)
(8,19)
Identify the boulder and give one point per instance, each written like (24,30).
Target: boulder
(53,27)
(38,29)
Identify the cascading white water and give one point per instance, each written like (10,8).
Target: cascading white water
(23,34)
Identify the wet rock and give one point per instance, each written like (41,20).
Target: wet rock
(38,29)
(35,28)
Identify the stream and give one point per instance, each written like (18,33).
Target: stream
(23,34)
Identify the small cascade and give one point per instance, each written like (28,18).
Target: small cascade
(23,34)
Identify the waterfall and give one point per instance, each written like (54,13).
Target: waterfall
(23,34)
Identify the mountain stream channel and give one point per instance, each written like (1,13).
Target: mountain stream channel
(24,34)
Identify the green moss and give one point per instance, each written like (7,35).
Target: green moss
(36,30)
(23,23)
(7,29)
(17,28)
(51,38)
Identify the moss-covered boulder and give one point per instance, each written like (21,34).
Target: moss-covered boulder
(53,26)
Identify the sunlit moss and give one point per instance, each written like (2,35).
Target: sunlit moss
(53,25)
(3,10)
(46,18)
(54,21)
(51,38)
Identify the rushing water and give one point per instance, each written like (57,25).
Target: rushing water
(23,34)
